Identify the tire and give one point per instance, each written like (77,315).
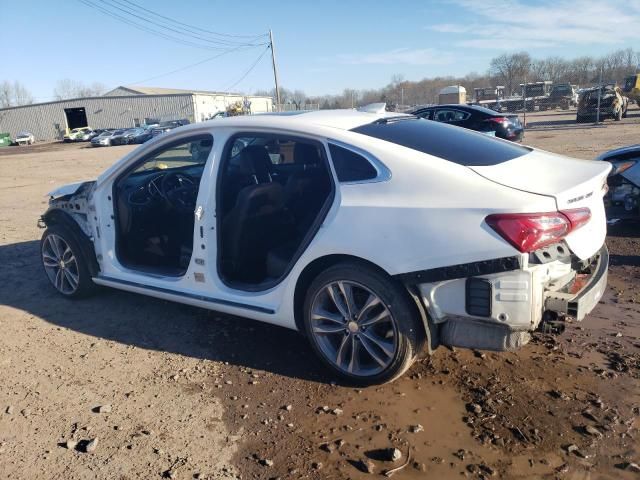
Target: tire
(391,314)
(75,279)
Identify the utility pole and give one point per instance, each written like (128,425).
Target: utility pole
(599,91)
(275,69)
(524,99)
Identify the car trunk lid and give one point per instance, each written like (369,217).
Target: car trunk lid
(571,182)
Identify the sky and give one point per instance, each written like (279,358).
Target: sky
(322,47)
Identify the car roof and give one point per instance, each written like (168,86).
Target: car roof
(341,119)
(461,106)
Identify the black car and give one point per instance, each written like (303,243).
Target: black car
(141,135)
(165,127)
(120,137)
(476,118)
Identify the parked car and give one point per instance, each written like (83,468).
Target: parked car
(88,136)
(165,127)
(622,201)
(375,234)
(104,139)
(613,104)
(123,137)
(76,134)
(141,135)
(25,138)
(475,117)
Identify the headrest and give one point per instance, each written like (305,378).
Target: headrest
(306,154)
(254,160)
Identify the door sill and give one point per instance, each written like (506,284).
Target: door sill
(116,282)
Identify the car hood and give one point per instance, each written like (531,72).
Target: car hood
(573,183)
(68,189)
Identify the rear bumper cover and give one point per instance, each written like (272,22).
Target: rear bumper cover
(578,305)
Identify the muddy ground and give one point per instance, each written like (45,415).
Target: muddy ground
(173,391)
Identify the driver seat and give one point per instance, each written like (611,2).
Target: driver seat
(256,222)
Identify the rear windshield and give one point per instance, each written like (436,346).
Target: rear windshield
(455,144)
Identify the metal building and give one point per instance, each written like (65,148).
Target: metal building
(124,107)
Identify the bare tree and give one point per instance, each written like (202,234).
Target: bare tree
(6,94)
(298,98)
(510,68)
(67,88)
(580,70)
(14,94)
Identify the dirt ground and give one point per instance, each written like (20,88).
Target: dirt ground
(177,392)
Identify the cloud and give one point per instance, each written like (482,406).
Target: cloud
(407,56)
(517,24)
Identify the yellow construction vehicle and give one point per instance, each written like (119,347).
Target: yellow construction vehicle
(632,88)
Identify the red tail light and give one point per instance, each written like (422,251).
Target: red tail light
(578,217)
(530,231)
(497,119)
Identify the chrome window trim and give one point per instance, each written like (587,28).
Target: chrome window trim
(383,174)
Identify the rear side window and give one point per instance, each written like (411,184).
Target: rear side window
(351,167)
(451,115)
(455,144)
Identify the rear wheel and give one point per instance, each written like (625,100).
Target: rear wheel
(362,324)
(64,263)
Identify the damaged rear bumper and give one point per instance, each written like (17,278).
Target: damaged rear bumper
(579,304)
(498,308)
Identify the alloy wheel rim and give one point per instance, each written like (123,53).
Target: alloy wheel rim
(60,264)
(353,328)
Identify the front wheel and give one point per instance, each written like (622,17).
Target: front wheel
(64,263)
(362,324)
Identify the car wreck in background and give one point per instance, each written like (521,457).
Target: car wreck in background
(608,98)
(623,198)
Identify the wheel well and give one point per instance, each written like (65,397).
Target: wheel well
(56,216)
(312,270)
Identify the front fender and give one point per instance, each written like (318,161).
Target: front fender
(57,216)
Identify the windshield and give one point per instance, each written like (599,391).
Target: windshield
(106,134)
(455,144)
(24,134)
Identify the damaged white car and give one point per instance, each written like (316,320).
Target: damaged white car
(376,235)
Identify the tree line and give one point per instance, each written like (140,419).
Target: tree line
(508,70)
(14,94)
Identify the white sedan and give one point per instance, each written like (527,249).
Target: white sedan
(25,138)
(377,235)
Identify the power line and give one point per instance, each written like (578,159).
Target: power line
(186,67)
(192,26)
(253,65)
(180,31)
(147,29)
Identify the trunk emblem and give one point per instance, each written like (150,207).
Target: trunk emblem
(581,197)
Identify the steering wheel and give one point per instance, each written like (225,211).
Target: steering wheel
(180,191)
